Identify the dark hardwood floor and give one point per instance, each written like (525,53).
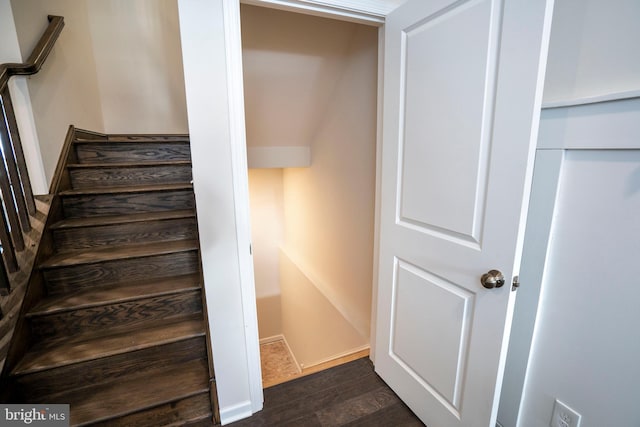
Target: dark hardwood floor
(347,395)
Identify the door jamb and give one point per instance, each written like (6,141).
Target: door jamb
(240,178)
(368,13)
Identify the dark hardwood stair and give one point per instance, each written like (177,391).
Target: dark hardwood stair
(104,402)
(115,307)
(54,367)
(124,174)
(84,233)
(102,201)
(127,150)
(118,331)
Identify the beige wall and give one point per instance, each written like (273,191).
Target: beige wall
(65,91)
(21,99)
(267,216)
(315,330)
(292,63)
(116,68)
(139,65)
(312,82)
(329,207)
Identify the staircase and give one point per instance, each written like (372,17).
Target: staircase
(116,326)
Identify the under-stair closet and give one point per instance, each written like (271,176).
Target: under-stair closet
(310,101)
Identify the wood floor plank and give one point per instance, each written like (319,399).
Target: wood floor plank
(357,407)
(317,400)
(397,415)
(351,394)
(343,374)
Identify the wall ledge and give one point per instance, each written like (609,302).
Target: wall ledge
(278,157)
(607,97)
(325,290)
(586,126)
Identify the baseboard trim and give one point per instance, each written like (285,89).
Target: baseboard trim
(273,338)
(236,412)
(333,361)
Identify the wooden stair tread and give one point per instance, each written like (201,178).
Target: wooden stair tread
(122,219)
(93,297)
(94,255)
(127,189)
(49,355)
(108,401)
(136,138)
(198,421)
(146,164)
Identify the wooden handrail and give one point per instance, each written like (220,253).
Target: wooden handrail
(16,195)
(38,56)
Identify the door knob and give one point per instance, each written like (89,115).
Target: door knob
(492,279)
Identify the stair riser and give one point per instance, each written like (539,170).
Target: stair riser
(110,152)
(117,234)
(82,206)
(140,313)
(124,176)
(68,279)
(178,412)
(39,384)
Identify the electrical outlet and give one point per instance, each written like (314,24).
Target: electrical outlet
(563,416)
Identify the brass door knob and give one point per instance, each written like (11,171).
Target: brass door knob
(492,279)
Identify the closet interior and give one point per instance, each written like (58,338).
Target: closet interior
(310,103)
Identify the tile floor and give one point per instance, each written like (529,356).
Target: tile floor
(277,363)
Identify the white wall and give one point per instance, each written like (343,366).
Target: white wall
(213,84)
(139,65)
(592,53)
(587,340)
(65,91)
(593,49)
(21,99)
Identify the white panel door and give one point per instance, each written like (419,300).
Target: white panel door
(462,91)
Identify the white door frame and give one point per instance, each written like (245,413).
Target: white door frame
(239,165)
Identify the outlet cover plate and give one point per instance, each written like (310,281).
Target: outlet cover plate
(564,416)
